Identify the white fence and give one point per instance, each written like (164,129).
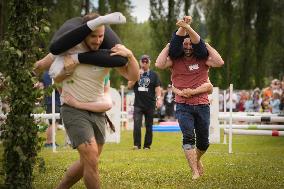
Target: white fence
(114,115)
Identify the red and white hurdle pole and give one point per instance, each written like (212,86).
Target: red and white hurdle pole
(256,132)
(246,126)
(256,118)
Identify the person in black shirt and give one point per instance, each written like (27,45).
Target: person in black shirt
(147,96)
(169,103)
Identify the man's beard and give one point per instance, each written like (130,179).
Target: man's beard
(188,52)
(92,47)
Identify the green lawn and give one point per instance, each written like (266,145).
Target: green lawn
(257,162)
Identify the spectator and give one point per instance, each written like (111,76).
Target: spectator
(275,103)
(282,84)
(256,100)
(169,103)
(277,86)
(249,104)
(147,90)
(241,102)
(267,92)
(281,106)
(265,104)
(234,101)
(221,102)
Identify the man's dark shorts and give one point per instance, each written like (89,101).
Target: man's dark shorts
(82,125)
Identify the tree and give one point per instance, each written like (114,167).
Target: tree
(262,37)
(20,47)
(103,7)
(218,30)
(275,50)
(2,12)
(246,61)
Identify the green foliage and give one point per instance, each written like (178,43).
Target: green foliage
(162,22)
(58,12)
(244,33)
(263,11)
(20,50)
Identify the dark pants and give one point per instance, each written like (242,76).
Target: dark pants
(149,115)
(194,123)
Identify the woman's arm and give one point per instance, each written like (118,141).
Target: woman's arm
(43,64)
(177,91)
(69,67)
(131,84)
(100,57)
(103,105)
(204,88)
(131,70)
(214,58)
(163,61)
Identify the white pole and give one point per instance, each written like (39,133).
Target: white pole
(256,132)
(46,116)
(122,98)
(255,127)
(36,116)
(53,120)
(231,120)
(254,119)
(225,110)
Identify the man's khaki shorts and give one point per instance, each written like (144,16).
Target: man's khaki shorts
(82,125)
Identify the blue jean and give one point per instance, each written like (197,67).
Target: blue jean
(149,116)
(194,121)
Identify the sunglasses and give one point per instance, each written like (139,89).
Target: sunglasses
(146,61)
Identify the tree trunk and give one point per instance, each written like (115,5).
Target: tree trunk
(20,138)
(262,37)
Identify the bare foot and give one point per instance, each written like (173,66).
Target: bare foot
(200,168)
(195,176)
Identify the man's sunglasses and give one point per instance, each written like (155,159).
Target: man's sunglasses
(146,61)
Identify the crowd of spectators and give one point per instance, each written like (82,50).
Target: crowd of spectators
(269,99)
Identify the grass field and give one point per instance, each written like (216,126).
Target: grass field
(256,162)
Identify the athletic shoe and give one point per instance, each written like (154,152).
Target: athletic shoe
(136,148)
